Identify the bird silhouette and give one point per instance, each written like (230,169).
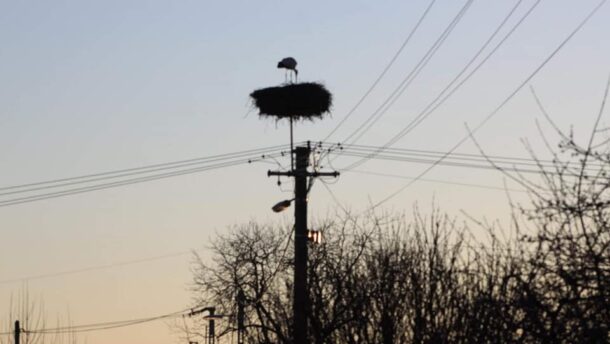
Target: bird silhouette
(290,64)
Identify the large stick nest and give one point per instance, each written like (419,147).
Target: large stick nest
(300,101)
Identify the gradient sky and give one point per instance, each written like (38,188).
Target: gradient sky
(89,86)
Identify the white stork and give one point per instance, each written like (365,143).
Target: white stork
(290,64)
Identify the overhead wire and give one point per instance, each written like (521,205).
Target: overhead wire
(95,267)
(359,149)
(243,159)
(181,253)
(445,163)
(104,325)
(493,113)
(130,181)
(398,176)
(132,171)
(414,72)
(442,97)
(478,156)
(384,71)
(386,108)
(463,160)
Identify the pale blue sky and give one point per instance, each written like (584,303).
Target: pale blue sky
(90,86)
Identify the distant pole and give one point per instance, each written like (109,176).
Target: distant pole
(212,332)
(241,328)
(17,332)
(301,297)
(211,337)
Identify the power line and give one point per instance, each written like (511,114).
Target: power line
(100,326)
(132,171)
(444,163)
(497,109)
(458,75)
(467,160)
(105,325)
(102,186)
(131,181)
(385,70)
(335,199)
(442,97)
(176,254)
(469,156)
(408,79)
(95,267)
(490,187)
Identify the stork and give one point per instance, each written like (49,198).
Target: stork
(290,64)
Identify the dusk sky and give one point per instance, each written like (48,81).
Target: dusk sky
(95,86)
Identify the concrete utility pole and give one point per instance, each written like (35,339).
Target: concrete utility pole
(301,297)
(17,332)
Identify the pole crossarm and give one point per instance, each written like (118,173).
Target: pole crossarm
(307,174)
(194,312)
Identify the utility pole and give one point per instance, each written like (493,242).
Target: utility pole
(301,296)
(301,175)
(17,332)
(212,332)
(211,338)
(241,328)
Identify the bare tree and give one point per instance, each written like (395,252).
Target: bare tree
(567,294)
(372,280)
(561,289)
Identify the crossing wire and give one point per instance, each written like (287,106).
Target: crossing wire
(131,171)
(385,70)
(408,79)
(443,96)
(398,176)
(95,268)
(136,180)
(477,160)
(493,113)
(445,163)
(105,325)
